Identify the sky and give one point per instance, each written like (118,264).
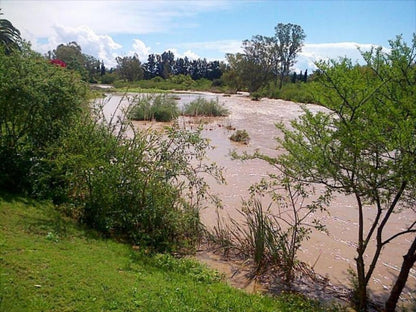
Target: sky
(209,29)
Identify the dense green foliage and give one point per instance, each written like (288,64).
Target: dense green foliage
(38,104)
(48,263)
(299,92)
(203,107)
(166,65)
(364,147)
(129,68)
(158,84)
(159,107)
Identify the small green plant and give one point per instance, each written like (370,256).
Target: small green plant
(160,107)
(240,136)
(203,107)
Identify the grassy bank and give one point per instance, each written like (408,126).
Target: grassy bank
(159,85)
(48,263)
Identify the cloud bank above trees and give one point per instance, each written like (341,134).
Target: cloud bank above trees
(112,28)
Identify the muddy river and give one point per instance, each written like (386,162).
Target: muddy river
(331,254)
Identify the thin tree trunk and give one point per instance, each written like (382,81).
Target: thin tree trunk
(408,261)
(361,291)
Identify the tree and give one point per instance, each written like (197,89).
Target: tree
(150,68)
(288,43)
(267,57)
(129,68)
(92,67)
(71,54)
(259,53)
(242,72)
(305,76)
(364,147)
(102,69)
(9,35)
(168,63)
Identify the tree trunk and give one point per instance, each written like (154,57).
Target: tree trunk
(408,261)
(361,291)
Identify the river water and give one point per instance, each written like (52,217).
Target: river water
(331,254)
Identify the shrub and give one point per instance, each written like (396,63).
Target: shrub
(159,107)
(144,188)
(184,81)
(203,107)
(240,136)
(38,102)
(108,78)
(296,92)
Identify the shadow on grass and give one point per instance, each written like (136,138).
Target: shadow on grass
(42,217)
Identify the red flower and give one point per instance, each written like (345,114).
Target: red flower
(58,63)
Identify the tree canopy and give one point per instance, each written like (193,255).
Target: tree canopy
(265,58)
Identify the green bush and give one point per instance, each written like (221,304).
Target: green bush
(240,136)
(203,107)
(109,78)
(159,107)
(143,188)
(185,81)
(37,105)
(297,92)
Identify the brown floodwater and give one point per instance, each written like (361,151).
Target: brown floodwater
(331,254)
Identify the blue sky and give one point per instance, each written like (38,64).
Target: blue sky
(209,29)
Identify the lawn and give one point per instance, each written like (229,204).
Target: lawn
(49,263)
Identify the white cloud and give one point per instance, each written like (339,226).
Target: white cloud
(112,17)
(191,55)
(188,53)
(102,47)
(140,48)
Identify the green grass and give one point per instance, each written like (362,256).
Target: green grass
(203,107)
(160,107)
(48,263)
(159,85)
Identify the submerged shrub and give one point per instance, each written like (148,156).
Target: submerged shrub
(203,107)
(272,236)
(240,136)
(160,107)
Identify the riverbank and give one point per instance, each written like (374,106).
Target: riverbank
(49,263)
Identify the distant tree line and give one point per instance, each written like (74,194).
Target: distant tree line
(165,66)
(130,68)
(264,60)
